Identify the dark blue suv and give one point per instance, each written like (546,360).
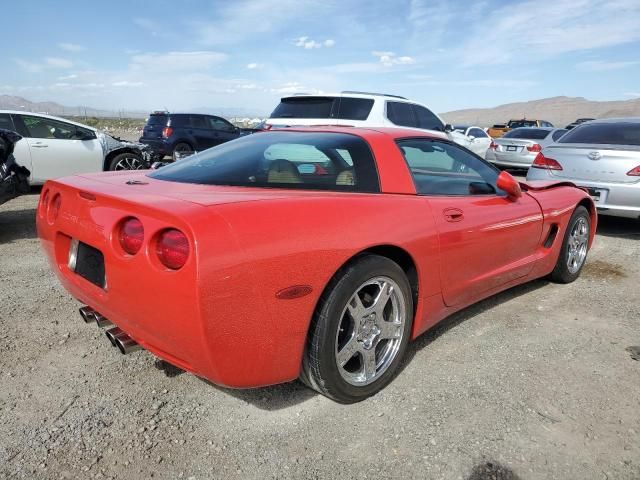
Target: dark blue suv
(167,133)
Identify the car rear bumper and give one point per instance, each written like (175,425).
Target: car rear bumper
(615,199)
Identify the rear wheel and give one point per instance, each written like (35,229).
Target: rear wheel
(360,330)
(183,149)
(575,247)
(127,161)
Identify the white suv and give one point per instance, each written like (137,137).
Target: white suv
(360,109)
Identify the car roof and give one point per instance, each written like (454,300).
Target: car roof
(393,132)
(351,94)
(537,128)
(615,120)
(52,117)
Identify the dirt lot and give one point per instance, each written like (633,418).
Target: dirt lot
(534,383)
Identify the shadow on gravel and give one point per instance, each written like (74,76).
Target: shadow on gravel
(471,311)
(275,397)
(628,228)
(492,471)
(17,224)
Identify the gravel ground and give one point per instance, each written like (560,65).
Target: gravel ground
(534,383)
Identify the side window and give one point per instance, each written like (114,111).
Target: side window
(427,119)
(38,127)
(476,132)
(401,114)
(557,134)
(306,158)
(442,168)
(198,121)
(354,108)
(5,122)
(220,124)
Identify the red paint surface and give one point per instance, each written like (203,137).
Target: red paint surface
(219,317)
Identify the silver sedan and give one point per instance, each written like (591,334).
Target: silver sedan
(602,156)
(518,147)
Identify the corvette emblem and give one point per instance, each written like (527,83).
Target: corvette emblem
(595,155)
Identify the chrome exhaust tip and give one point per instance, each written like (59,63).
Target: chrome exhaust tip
(101,320)
(88,314)
(126,344)
(112,333)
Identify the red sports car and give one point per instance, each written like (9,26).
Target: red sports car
(304,253)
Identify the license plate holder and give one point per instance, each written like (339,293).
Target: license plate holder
(597,195)
(512,149)
(87,262)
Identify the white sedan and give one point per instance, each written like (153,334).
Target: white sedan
(475,139)
(54,147)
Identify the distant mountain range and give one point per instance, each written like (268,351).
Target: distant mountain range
(558,110)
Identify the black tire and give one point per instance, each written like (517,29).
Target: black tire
(181,147)
(320,369)
(561,273)
(126,161)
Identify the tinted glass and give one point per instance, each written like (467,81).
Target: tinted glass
(522,123)
(38,127)
(5,121)
(302,161)
(426,119)
(401,114)
(220,124)
(528,133)
(180,120)
(155,119)
(354,108)
(557,134)
(304,107)
(441,168)
(621,133)
(198,121)
(478,133)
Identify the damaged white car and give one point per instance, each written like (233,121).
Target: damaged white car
(55,147)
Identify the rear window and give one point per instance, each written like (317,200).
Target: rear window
(281,159)
(157,120)
(604,134)
(521,123)
(528,133)
(345,108)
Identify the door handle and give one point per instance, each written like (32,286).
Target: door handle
(39,145)
(453,214)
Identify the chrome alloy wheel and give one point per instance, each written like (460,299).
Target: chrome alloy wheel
(370,331)
(129,163)
(577,245)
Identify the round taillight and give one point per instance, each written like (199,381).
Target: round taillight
(131,235)
(172,249)
(43,203)
(54,208)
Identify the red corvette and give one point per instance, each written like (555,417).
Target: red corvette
(309,253)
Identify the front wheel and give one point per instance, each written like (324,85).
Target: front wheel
(575,246)
(360,330)
(127,161)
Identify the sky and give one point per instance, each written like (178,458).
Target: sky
(246,54)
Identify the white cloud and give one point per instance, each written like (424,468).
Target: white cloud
(71,47)
(389,59)
(632,94)
(309,43)
(56,62)
(601,65)
(294,87)
(177,61)
(125,83)
(31,67)
(68,77)
(330,42)
(254,66)
(247,86)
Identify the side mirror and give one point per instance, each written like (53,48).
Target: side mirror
(471,137)
(507,183)
(85,135)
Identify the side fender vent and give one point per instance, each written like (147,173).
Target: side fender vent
(553,233)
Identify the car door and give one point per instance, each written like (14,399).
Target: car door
(202,132)
(59,148)
(224,131)
(486,239)
(21,149)
(480,141)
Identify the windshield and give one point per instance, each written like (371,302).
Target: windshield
(282,159)
(522,123)
(604,134)
(528,133)
(156,119)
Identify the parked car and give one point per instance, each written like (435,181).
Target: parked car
(54,147)
(604,157)
(360,109)
(498,131)
(312,253)
(519,147)
(478,140)
(578,122)
(14,178)
(167,133)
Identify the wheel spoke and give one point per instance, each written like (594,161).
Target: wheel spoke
(386,290)
(369,363)
(348,351)
(389,330)
(356,309)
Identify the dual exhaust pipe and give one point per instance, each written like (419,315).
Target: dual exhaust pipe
(116,335)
